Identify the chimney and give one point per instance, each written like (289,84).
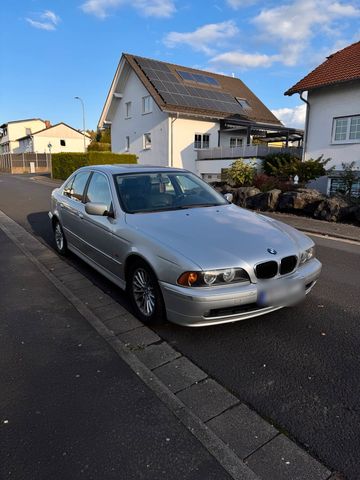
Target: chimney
(47,124)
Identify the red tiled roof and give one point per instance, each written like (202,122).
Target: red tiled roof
(342,66)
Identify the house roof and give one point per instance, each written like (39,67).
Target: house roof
(49,128)
(21,121)
(342,66)
(184,90)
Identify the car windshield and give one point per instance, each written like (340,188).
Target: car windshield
(154,192)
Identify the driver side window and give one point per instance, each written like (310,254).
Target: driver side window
(98,190)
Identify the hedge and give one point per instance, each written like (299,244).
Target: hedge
(64,164)
(99,147)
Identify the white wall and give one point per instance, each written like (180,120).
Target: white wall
(156,123)
(18,129)
(325,104)
(184,130)
(74,141)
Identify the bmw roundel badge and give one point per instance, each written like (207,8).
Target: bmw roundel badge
(272,251)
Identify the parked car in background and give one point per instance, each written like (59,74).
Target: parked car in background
(178,247)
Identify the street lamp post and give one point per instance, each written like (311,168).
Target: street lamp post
(83,111)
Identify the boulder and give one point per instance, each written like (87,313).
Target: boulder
(266,201)
(305,199)
(334,209)
(242,193)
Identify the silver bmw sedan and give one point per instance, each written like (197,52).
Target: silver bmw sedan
(178,247)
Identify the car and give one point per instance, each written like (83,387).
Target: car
(178,247)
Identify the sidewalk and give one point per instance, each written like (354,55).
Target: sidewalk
(70,408)
(88,392)
(320,227)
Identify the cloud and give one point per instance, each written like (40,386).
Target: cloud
(244,60)
(295,24)
(203,38)
(46,20)
(292,117)
(148,8)
(236,4)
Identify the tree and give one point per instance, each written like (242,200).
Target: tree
(285,165)
(348,177)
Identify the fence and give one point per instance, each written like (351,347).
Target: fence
(25,162)
(246,151)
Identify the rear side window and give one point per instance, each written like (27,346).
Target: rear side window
(78,186)
(98,190)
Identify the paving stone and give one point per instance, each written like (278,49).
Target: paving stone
(66,275)
(78,285)
(122,323)
(242,429)
(207,399)
(93,297)
(180,374)
(142,336)
(110,311)
(155,355)
(281,459)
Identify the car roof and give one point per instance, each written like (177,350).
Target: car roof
(131,168)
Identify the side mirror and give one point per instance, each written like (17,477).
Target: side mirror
(96,209)
(229,197)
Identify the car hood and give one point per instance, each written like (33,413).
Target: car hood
(220,237)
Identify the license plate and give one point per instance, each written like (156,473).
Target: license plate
(281,293)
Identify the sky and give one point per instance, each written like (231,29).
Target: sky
(52,51)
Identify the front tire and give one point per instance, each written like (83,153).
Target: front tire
(145,294)
(60,240)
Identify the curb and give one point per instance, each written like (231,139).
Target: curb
(245,445)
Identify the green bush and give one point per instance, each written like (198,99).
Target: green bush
(286,165)
(241,173)
(64,164)
(99,147)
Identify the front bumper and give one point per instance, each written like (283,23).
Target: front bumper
(198,307)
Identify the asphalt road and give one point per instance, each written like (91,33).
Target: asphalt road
(299,367)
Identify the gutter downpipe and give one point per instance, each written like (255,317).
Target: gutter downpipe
(173,119)
(306,123)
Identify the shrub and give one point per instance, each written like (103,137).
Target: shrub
(99,147)
(64,164)
(285,165)
(241,173)
(266,182)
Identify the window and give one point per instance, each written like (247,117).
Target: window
(346,129)
(243,103)
(147,141)
(98,190)
(198,78)
(127,109)
(236,142)
(127,144)
(78,186)
(201,140)
(63,143)
(146,105)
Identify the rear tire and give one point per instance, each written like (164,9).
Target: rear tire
(144,292)
(60,240)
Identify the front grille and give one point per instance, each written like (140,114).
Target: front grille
(288,264)
(266,270)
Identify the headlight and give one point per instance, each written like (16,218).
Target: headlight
(213,277)
(307,255)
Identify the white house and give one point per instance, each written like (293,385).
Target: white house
(10,132)
(333,113)
(177,116)
(56,138)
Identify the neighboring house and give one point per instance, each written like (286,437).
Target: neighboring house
(11,131)
(172,115)
(57,138)
(333,113)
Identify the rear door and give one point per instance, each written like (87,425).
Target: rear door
(72,209)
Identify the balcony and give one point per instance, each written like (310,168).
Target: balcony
(246,151)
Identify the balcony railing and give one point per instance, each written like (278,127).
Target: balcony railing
(247,151)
